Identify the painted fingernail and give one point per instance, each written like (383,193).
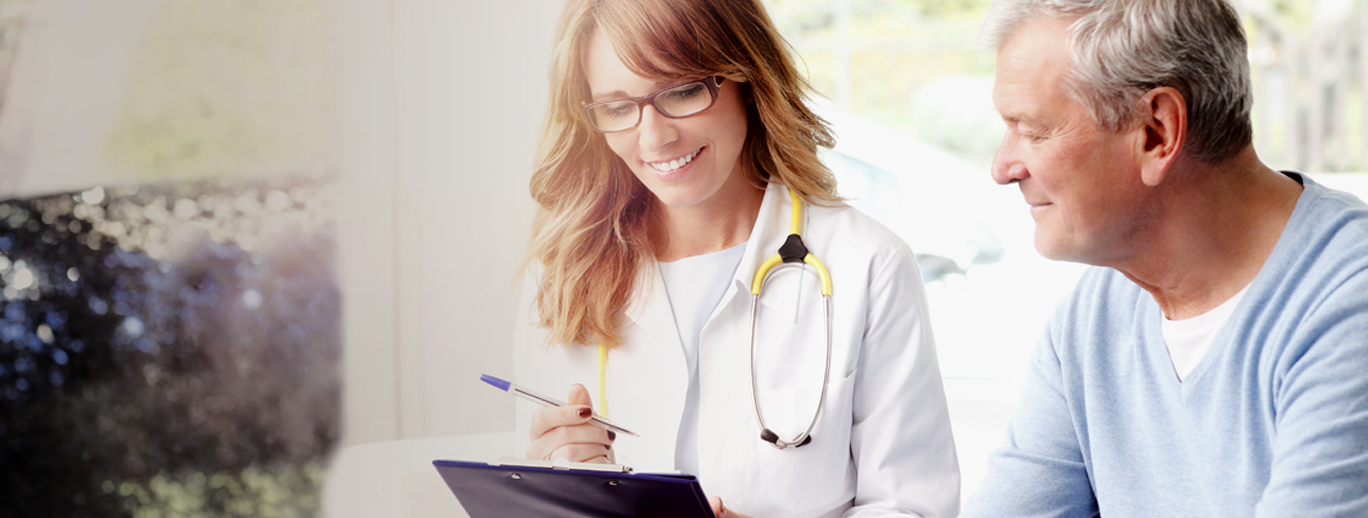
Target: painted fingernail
(585,412)
(612,436)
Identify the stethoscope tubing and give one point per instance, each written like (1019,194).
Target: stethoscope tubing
(802,438)
(793,253)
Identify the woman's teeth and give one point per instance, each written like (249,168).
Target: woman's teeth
(677,163)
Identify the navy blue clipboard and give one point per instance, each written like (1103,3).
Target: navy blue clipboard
(497,490)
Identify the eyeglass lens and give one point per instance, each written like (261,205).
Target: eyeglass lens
(681,101)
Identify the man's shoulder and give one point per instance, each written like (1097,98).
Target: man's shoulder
(1102,289)
(1329,216)
(1324,248)
(1103,304)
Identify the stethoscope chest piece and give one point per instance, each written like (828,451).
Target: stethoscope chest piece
(773,438)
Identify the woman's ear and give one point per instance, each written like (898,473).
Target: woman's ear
(1164,123)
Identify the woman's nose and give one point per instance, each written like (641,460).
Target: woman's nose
(656,130)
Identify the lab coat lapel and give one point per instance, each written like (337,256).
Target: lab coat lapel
(654,357)
(650,357)
(726,424)
(766,237)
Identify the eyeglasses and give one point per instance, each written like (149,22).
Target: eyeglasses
(675,102)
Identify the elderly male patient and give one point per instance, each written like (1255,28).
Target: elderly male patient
(1214,362)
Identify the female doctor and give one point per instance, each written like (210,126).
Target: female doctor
(676,144)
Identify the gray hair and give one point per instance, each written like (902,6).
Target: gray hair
(1122,49)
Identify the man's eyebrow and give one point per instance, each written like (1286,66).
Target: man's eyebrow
(1013,118)
(1024,119)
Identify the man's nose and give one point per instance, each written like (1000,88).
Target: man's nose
(1007,164)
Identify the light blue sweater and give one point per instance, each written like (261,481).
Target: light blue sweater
(1273,422)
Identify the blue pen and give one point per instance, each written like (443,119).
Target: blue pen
(547,401)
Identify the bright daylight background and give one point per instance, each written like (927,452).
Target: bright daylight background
(256,251)
(911,97)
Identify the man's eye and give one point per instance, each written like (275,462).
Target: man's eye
(1031,134)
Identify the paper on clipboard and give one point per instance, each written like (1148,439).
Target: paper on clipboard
(529,488)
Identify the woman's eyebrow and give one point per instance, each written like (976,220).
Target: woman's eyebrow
(656,86)
(615,94)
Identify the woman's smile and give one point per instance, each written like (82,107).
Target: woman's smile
(672,165)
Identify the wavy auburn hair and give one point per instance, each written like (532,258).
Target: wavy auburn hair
(591,235)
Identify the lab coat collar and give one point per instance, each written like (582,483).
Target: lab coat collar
(766,237)
(768,234)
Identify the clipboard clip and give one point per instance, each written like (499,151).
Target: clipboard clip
(565,465)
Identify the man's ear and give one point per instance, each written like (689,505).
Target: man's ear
(1163,114)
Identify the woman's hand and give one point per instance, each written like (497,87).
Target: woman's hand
(565,432)
(721,511)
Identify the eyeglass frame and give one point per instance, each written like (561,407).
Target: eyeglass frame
(714,87)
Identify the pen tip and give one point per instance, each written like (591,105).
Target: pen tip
(498,383)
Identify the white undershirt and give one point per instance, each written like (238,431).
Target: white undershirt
(1189,339)
(694,286)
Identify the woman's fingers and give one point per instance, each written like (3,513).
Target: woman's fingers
(543,446)
(579,396)
(583,433)
(566,432)
(583,453)
(721,511)
(549,418)
(578,411)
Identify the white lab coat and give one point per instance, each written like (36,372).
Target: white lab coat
(882,443)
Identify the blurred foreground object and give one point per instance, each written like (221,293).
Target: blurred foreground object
(169,350)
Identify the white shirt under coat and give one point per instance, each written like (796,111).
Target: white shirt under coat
(694,286)
(882,445)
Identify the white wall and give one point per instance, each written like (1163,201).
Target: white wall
(442,103)
(64,90)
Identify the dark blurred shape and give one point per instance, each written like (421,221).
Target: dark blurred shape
(175,342)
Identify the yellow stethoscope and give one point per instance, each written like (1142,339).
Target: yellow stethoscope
(792,253)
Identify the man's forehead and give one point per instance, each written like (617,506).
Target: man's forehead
(1031,65)
(1039,41)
